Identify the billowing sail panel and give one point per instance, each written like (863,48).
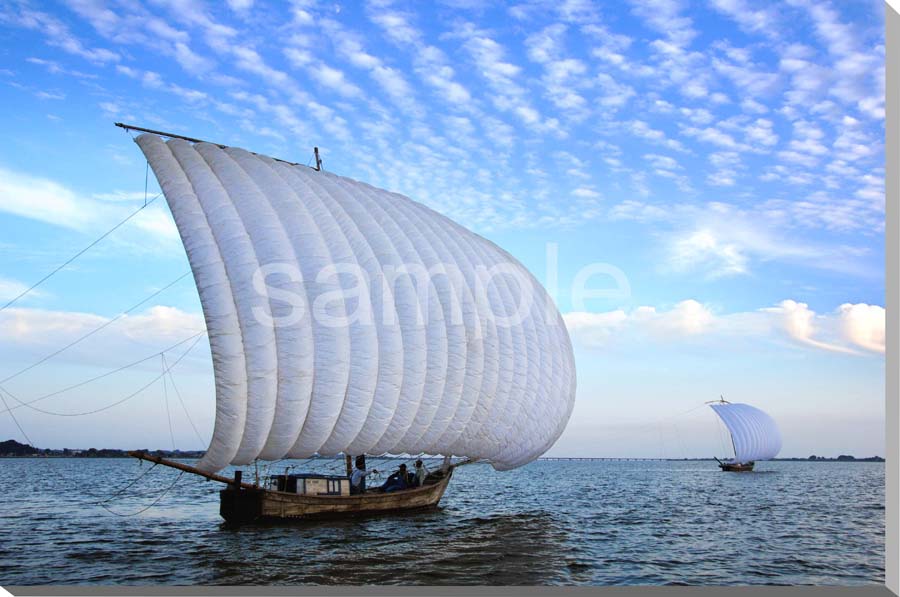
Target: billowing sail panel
(754,433)
(345,318)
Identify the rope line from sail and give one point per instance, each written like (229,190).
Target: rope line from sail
(15,420)
(78,254)
(127,486)
(183,405)
(144,509)
(146,180)
(651,426)
(162,359)
(29,404)
(100,327)
(46,461)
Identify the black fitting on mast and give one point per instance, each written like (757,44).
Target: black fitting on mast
(318,159)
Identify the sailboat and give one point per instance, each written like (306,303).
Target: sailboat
(346,319)
(754,435)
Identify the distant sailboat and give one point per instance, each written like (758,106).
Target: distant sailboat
(450,364)
(754,435)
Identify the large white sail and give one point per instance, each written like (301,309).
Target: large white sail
(754,433)
(474,361)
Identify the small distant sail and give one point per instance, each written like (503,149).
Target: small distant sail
(754,433)
(462,363)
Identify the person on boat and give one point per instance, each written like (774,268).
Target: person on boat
(421,474)
(358,477)
(397,480)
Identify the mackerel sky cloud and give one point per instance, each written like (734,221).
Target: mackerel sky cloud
(726,156)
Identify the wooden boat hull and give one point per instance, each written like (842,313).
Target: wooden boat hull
(265,505)
(736,467)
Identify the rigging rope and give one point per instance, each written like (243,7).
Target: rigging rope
(183,405)
(15,420)
(146,179)
(162,359)
(29,404)
(95,330)
(128,485)
(46,461)
(78,254)
(142,510)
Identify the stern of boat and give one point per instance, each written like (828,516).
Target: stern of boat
(240,505)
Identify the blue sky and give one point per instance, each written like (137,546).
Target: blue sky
(723,158)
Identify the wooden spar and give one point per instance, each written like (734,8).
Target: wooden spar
(318,159)
(187,468)
(131,127)
(349,461)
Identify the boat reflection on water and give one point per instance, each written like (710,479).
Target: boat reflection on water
(425,548)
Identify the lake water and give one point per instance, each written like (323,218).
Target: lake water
(566,522)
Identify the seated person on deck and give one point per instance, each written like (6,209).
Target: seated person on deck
(397,481)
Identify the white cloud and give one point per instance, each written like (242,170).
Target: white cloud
(720,240)
(706,249)
(662,162)
(688,318)
(429,63)
(396,26)
(47,201)
(502,76)
(40,327)
(158,223)
(864,325)
(59,36)
(760,132)
(845,330)
(641,129)
(752,106)
(586,193)
(190,60)
(298,57)
(33,333)
(44,200)
(664,16)
(749,16)
(334,79)
(615,94)
(712,135)
(638,211)
(799,322)
(240,6)
(747,77)
(249,59)
(10,289)
(388,78)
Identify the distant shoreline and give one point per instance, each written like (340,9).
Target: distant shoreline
(549,459)
(14,449)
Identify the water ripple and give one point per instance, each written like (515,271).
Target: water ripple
(610,523)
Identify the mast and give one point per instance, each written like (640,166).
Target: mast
(131,127)
(722,400)
(730,434)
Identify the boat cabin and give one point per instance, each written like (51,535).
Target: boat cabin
(310,484)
